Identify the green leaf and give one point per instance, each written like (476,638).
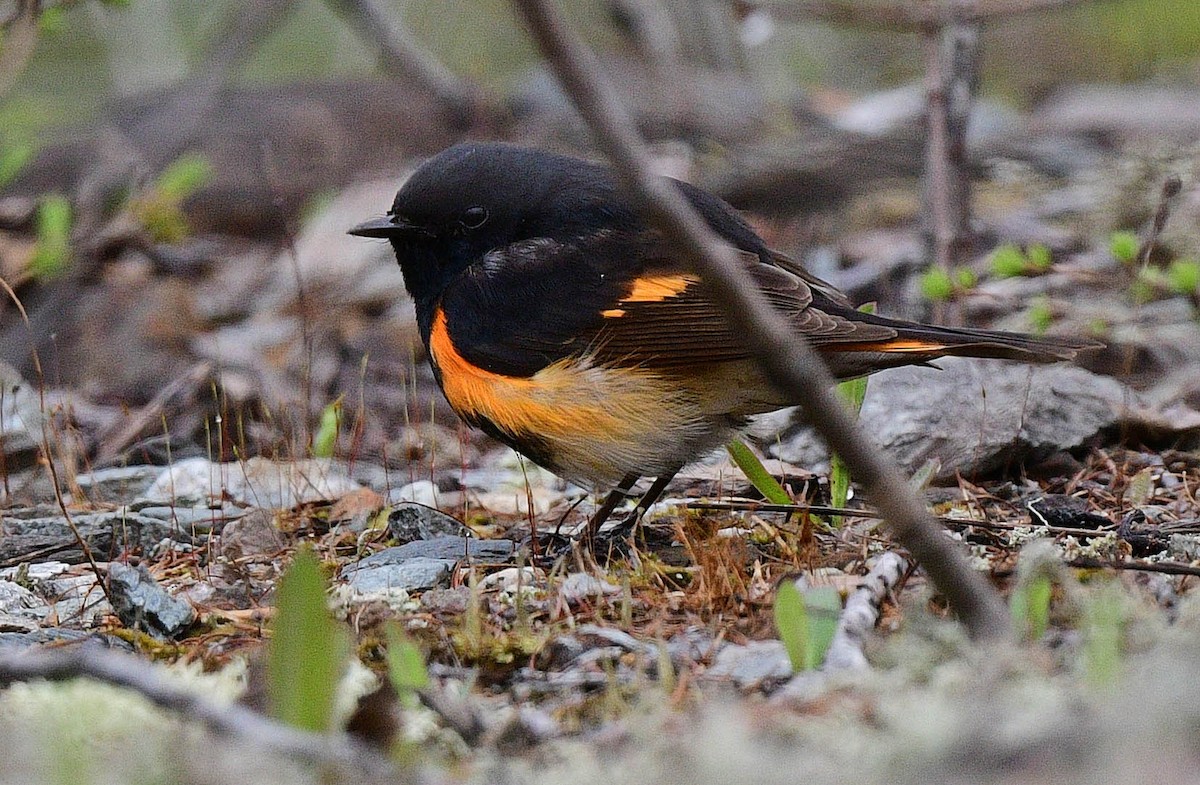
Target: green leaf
(1030,607)
(308,649)
(936,285)
(791,621)
(756,473)
(965,278)
(406,663)
(1124,246)
(1183,276)
(1008,261)
(824,606)
(52,254)
(806,622)
(325,439)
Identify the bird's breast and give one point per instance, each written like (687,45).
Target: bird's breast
(589,422)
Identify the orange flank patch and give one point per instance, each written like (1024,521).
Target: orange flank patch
(613,313)
(898,346)
(585,413)
(653,288)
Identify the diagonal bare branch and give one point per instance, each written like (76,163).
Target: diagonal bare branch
(904,15)
(786,358)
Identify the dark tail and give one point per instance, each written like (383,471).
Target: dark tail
(930,341)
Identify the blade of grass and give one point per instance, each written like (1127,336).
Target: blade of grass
(855,392)
(757,474)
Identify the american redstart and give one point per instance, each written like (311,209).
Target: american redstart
(557,321)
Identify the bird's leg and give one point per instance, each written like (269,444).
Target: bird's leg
(652,494)
(615,497)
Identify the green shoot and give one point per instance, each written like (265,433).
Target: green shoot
(1123,246)
(1103,633)
(937,285)
(160,210)
(756,473)
(13,158)
(406,663)
(1040,315)
(806,623)
(52,20)
(1183,276)
(52,254)
(1008,261)
(1030,607)
(308,649)
(325,439)
(1039,257)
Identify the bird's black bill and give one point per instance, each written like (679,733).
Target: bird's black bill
(387,226)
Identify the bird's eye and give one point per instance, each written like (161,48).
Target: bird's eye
(474,217)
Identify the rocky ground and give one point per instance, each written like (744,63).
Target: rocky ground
(158,481)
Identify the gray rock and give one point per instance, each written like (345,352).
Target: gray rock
(117,482)
(59,635)
(20,602)
(421,564)
(108,534)
(411,575)
(422,492)
(409,521)
(142,604)
(579,586)
(976,416)
(194,519)
(21,419)
(255,482)
(252,536)
(77,600)
(451,548)
(756,664)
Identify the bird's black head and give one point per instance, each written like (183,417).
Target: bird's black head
(476,197)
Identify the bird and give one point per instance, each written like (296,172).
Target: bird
(559,322)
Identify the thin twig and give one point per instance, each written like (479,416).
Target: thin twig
(786,358)
(401,55)
(903,16)
(956,523)
(233,720)
(951,81)
(47,454)
(1171,188)
(1167,567)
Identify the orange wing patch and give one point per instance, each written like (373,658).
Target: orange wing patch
(653,288)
